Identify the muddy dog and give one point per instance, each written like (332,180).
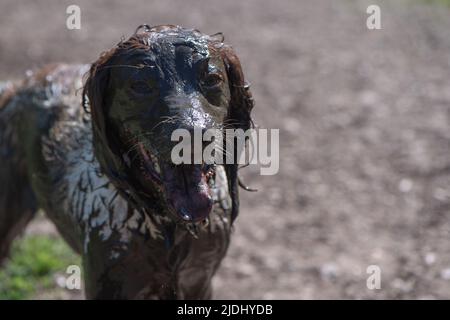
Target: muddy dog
(96,159)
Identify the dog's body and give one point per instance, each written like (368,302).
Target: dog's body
(138,234)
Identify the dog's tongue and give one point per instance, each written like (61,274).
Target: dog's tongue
(188,191)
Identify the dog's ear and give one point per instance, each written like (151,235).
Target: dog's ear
(239,115)
(241,103)
(95,101)
(94,94)
(107,148)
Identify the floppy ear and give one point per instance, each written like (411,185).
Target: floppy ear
(241,105)
(95,90)
(107,148)
(93,95)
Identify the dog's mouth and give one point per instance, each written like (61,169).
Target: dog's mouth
(186,187)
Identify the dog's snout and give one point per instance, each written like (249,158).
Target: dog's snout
(190,110)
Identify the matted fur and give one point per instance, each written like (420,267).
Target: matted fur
(95,95)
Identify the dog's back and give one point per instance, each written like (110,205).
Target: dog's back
(28,113)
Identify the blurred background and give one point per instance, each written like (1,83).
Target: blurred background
(364,141)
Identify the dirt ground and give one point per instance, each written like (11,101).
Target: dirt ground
(364,134)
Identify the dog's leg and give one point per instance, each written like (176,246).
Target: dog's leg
(17,201)
(17,207)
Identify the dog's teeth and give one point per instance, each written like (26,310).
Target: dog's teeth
(209,174)
(157,167)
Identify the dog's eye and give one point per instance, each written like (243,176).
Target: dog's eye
(141,87)
(211,80)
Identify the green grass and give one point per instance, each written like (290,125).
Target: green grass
(33,262)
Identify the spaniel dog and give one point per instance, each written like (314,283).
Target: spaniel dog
(97,159)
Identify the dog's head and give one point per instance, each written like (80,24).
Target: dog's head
(161,79)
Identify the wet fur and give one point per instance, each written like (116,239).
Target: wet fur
(56,154)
